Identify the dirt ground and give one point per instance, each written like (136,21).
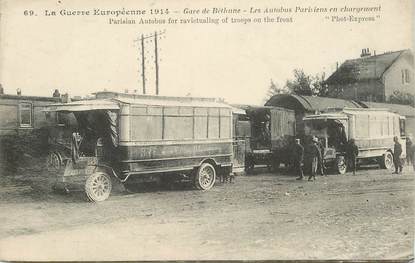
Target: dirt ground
(261,216)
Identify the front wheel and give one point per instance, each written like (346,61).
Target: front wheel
(98,187)
(341,165)
(205,177)
(387,161)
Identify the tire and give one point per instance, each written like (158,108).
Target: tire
(205,177)
(387,161)
(53,162)
(98,187)
(276,166)
(341,165)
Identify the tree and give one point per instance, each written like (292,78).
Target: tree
(304,84)
(274,89)
(399,97)
(301,84)
(319,87)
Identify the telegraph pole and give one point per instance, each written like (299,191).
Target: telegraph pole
(156,62)
(142,39)
(143,74)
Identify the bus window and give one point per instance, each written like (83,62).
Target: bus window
(402,126)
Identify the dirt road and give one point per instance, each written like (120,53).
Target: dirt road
(262,216)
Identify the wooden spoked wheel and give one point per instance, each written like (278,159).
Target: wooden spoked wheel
(205,177)
(98,187)
(341,165)
(53,162)
(387,161)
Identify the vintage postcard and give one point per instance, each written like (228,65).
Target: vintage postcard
(207,130)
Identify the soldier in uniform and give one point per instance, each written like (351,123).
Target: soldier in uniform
(298,157)
(313,156)
(397,151)
(351,154)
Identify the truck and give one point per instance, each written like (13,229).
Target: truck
(140,139)
(372,129)
(268,132)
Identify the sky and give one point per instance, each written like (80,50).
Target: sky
(80,55)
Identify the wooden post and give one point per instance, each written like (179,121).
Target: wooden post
(143,64)
(156,62)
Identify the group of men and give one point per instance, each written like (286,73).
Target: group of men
(310,157)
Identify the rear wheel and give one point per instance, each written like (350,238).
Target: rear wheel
(341,165)
(98,187)
(53,162)
(205,177)
(386,161)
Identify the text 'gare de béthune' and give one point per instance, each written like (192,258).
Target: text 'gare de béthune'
(213,10)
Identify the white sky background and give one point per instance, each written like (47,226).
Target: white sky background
(81,55)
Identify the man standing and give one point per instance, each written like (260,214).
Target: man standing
(298,156)
(397,151)
(313,158)
(351,155)
(320,166)
(408,150)
(412,150)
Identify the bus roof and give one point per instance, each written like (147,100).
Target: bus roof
(326,116)
(84,105)
(173,101)
(115,103)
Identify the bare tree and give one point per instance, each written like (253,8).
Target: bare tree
(274,89)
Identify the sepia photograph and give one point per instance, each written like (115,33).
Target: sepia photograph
(207,130)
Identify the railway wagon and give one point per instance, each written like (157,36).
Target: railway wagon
(143,139)
(372,129)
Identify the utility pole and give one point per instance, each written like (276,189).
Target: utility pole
(156,62)
(142,39)
(143,74)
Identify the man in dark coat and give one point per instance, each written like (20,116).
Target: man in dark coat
(312,155)
(298,157)
(352,151)
(320,165)
(408,150)
(397,151)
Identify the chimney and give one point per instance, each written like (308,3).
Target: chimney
(65,98)
(365,53)
(19,91)
(56,94)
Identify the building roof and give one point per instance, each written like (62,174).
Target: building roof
(309,103)
(405,110)
(364,68)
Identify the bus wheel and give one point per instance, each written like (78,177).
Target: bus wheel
(205,177)
(387,161)
(98,187)
(53,162)
(341,165)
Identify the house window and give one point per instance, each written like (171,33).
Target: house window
(25,114)
(406,77)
